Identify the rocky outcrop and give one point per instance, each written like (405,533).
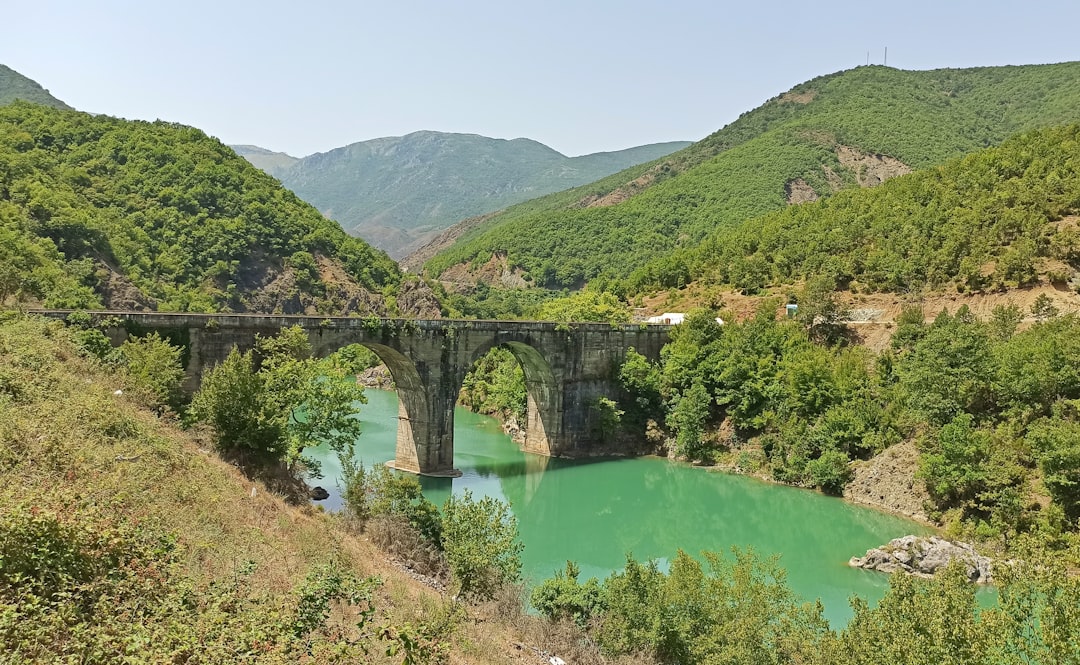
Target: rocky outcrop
(120,293)
(799,191)
(376,377)
(415,299)
(888,482)
(922,557)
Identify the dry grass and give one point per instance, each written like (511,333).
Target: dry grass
(68,443)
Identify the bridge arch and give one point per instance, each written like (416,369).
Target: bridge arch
(543,395)
(414,451)
(413,410)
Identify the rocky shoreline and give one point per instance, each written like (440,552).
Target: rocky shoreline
(924,556)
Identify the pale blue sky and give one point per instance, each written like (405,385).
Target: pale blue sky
(303,77)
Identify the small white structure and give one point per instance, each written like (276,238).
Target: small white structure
(673,318)
(667,318)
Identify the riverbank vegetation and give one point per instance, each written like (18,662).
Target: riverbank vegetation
(266,405)
(739,609)
(124,538)
(992,410)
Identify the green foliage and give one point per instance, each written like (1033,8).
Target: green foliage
(918,622)
(480,539)
(923,230)
(564,597)
(154,368)
(820,310)
(325,585)
(740,610)
(87,582)
(642,384)
(232,400)
(829,471)
(1056,444)
(737,610)
(585,306)
(949,370)
(496,386)
(689,415)
(120,541)
(607,417)
(741,172)
(269,413)
(88,200)
(1043,308)
(400,495)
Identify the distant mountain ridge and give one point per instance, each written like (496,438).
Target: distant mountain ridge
(397,192)
(14,85)
(267,160)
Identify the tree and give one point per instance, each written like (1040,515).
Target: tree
(820,310)
(948,370)
(688,417)
(585,305)
(1043,308)
(564,597)
(1057,448)
(290,402)
(232,400)
(480,539)
(921,622)
(154,366)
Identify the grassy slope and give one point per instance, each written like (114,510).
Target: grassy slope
(920,118)
(174,212)
(102,464)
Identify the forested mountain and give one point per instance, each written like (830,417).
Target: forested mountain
(397,192)
(853,128)
(97,211)
(14,85)
(1001,217)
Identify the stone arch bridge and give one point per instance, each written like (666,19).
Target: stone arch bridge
(566,366)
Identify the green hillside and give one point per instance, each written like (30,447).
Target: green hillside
(101,211)
(14,85)
(857,127)
(991,219)
(396,192)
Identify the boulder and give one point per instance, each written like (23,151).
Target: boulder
(319,494)
(923,557)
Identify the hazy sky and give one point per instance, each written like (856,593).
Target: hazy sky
(584,76)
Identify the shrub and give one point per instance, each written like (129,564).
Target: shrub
(480,539)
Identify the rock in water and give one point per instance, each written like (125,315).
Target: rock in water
(319,494)
(923,557)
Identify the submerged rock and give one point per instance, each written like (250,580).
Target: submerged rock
(922,557)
